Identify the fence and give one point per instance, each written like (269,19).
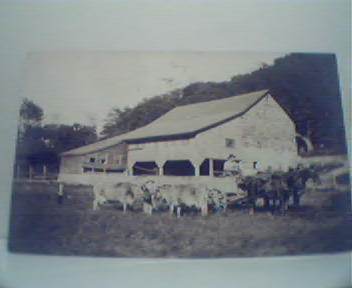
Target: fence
(36,173)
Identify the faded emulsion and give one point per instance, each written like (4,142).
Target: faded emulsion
(254,166)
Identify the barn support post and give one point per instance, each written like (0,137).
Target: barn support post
(129,169)
(196,170)
(211,167)
(160,164)
(196,164)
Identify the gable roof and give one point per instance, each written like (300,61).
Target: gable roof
(182,122)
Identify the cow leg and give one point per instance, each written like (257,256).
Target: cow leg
(225,208)
(287,199)
(281,205)
(296,198)
(283,197)
(97,201)
(286,204)
(204,210)
(252,207)
(171,210)
(147,208)
(266,203)
(276,203)
(178,211)
(95,204)
(273,205)
(153,202)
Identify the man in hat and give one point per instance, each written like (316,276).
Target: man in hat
(232,166)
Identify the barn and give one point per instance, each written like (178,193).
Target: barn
(195,140)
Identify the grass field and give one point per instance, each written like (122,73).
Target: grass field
(40,225)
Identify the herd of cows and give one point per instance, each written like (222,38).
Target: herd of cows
(275,189)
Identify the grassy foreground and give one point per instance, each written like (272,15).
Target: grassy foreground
(40,225)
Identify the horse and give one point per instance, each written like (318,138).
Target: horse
(254,188)
(276,189)
(297,180)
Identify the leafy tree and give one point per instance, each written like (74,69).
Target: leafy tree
(59,138)
(31,112)
(30,115)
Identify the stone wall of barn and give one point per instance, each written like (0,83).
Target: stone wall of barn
(264,134)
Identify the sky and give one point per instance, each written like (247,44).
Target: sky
(83,87)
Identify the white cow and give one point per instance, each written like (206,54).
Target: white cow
(126,193)
(188,195)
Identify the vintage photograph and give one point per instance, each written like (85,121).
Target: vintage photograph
(180,154)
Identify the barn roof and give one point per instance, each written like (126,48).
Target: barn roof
(182,122)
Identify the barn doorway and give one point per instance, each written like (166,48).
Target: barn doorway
(204,168)
(218,167)
(179,168)
(145,168)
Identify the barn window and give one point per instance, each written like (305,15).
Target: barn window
(103,159)
(230,143)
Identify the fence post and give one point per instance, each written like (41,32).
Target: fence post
(30,173)
(60,194)
(18,172)
(44,171)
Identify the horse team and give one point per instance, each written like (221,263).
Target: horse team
(274,188)
(277,188)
